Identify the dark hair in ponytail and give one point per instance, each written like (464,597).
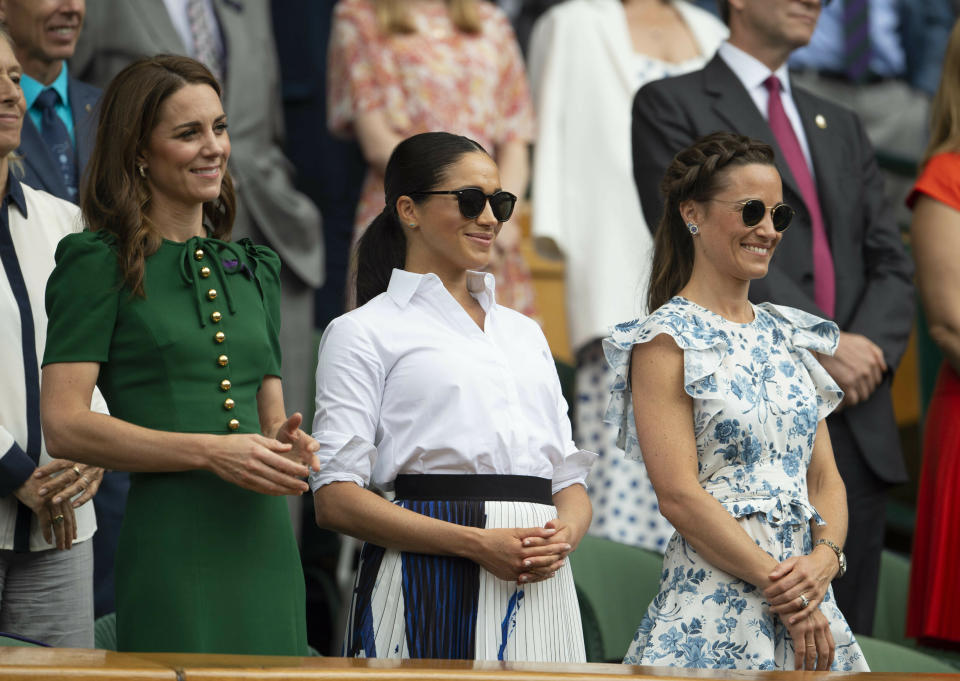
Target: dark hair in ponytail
(697,173)
(417,164)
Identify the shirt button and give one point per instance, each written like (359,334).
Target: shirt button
(215,316)
(233,424)
(219,336)
(228,404)
(223,360)
(225,384)
(212,293)
(198,254)
(204,272)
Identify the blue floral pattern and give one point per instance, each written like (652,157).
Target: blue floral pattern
(758,394)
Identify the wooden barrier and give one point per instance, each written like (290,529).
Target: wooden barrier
(49,664)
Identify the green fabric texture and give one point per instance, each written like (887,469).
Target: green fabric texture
(620,582)
(883,656)
(202,565)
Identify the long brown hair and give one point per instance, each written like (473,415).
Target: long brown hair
(945,112)
(393,16)
(114,196)
(697,173)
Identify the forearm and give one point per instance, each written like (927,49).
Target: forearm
(377,139)
(829,496)
(513,160)
(947,338)
(574,509)
(352,510)
(717,536)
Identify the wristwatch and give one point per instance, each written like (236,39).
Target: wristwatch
(842,559)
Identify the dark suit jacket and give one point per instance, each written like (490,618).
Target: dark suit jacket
(41,170)
(874,273)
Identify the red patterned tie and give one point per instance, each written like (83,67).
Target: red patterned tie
(824,282)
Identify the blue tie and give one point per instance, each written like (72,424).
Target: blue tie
(57,138)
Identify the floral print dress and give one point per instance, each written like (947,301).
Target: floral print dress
(758,394)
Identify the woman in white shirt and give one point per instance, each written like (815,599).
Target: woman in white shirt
(433,393)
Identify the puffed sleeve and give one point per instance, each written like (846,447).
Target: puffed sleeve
(354,86)
(82,297)
(350,381)
(938,181)
(808,333)
(267,270)
(516,121)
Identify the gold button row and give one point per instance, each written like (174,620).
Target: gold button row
(218,337)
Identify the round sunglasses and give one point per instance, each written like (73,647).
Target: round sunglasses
(472,201)
(753,210)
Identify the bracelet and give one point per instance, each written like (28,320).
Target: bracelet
(841,559)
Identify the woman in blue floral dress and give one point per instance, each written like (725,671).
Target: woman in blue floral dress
(726,400)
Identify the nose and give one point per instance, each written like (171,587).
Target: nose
(10,92)
(213,144)
(765,228)
(72,6)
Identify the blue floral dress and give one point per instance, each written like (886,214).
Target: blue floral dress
(758,394)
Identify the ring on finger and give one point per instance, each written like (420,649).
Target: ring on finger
(76,469)
(804,601)
(57,519)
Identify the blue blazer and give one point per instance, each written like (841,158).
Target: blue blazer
(41,170)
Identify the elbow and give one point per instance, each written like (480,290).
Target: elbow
(327,508)
(55,437)
(944,333)
(675,506)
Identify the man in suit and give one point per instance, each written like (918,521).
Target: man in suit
(55,142)
(843,257)
(234,39)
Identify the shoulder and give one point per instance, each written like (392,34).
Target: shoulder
(51,213)
(260,254)
(679,319)
(83,92)
(93,248)
(801,329)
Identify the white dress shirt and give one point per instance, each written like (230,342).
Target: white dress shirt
(408,383)
(752,72)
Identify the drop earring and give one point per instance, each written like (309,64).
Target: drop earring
(693,229)
(143,171)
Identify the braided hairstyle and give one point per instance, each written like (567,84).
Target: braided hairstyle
(697,173)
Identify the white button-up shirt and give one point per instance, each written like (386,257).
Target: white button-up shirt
(408,383)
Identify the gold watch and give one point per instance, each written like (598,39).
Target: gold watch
(842,559)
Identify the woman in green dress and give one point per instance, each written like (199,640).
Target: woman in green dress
(178,327)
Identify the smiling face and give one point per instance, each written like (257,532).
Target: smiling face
(724,244)
(187,152)
(44,31)
(12,105)
(443,241)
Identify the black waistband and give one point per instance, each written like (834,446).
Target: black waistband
(474,487)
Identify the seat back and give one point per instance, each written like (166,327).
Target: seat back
(883,656)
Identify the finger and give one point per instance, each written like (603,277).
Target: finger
(52,467)
(810,658)
(69,525)
(824,654)
(293,422)
(272,444)
(87,494)
(274,480)
(557,548)
(783,568)
(784,590)
(538,563)
(799,649)
(43,518)
(52,486)
(57,526)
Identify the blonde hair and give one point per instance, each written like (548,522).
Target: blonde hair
(393,16)
(945,112)
(14,160)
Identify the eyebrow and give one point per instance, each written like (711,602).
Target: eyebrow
(190,124)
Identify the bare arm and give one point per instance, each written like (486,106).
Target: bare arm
(377,139)
(935,235)
(664,416)
(514,162)
(71,429)
(350,509)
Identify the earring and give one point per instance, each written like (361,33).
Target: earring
(143,171)
(411,224)
(692,227)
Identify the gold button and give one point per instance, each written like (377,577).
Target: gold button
(212,293)
(198,254)
(228,404)
(215,316)
(225,384)
(219,336)
(233,424)
(222,360)
(204,272)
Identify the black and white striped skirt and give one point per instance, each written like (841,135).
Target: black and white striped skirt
(414,605)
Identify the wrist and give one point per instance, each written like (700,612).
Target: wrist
(468,542)
(832,558)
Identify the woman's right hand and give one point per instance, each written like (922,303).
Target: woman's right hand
(257,463)
(503,554)
(813,644)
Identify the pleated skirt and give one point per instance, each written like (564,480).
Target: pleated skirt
(409,605)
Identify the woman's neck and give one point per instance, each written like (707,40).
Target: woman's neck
(454,279)
(176,222)
(723,295)
(4,173)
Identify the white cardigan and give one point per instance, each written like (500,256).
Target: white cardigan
(581,66)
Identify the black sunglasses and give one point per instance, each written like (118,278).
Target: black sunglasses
(472,202)
(753,210)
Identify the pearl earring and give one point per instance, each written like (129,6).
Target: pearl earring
(692,227)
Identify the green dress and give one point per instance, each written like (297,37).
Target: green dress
(202,565)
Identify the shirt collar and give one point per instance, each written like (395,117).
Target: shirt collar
(32,88)
(403,285)
(750,70)
(15,193)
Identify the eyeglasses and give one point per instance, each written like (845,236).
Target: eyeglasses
(472,202)
(753,210)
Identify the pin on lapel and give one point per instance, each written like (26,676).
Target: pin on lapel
(820,121)
(88,108)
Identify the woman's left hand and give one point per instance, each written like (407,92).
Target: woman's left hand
(63,480)
(807,576)
(304,446)
(562,540)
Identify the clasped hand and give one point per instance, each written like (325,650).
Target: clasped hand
(526,555)
(857,366)
(53,491)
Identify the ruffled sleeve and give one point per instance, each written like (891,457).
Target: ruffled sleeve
(82,299)
(807,334)
(704,348)
(266,268)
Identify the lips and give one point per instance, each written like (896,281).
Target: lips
(206,171)
(484,238)
(758,250)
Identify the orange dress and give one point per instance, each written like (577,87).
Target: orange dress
(933,609)
(437,79)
